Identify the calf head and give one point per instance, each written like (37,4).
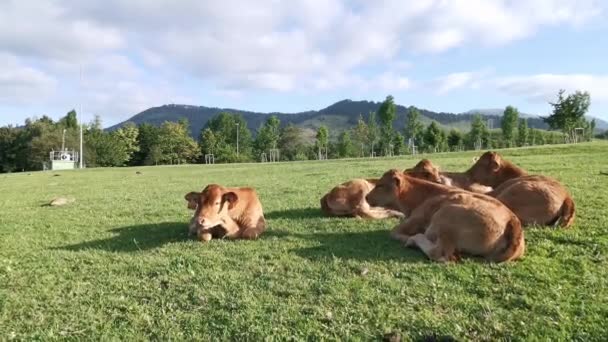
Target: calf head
(211,205)
(487,169)
(425,170)
(386,192)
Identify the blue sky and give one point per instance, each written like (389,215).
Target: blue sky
(297,55)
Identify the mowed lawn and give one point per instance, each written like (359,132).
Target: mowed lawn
(117,263)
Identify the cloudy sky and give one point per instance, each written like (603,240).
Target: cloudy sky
(295,55)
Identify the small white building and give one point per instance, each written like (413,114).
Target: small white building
(63,160)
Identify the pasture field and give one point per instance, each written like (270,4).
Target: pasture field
(117,263)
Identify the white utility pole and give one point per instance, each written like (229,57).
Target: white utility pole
(81,154)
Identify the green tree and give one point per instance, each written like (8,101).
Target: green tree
(127,136)
(508,124)
(387,113)
(414,129)
(345,146)
(147,138)
(293,143)
(70,121)
(176,144)
(8,149)
(268,135)
(225,127)
(372,131)
(522,132)
(361,135)
(455,140)
(568,111)
(398,144)
(208,141)
(591,130)
(478,132)
(432,137)
(322,141)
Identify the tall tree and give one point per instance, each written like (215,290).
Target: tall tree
(176,144)
(361,135)
(322,141)
(372,130)
(345,146)
(268,135)
(478,132)
(127,136)
(147,138)
(432,137)
(398,144)
(208,141)
(568,112)
(8,149)
(455,140)
(522,132)
(508,124)
(70,120)
(387,113)
(225,127)
(293,143)
(413,127)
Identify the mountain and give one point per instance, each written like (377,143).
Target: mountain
(337,117)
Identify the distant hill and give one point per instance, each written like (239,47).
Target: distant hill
(338,117)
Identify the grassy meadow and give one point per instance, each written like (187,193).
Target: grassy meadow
(117,263)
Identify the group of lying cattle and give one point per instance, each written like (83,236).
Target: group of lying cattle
(478,212)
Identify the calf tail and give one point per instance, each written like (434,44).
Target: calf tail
(513,244)
(567,213)
(254,232)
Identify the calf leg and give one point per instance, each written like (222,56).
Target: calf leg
(252,233)
(376,213)
(411,226)
(441,250)
(232,228)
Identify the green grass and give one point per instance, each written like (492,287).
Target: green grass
(117,263)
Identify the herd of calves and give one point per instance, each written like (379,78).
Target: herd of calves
(478,212)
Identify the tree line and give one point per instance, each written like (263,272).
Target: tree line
(228,139)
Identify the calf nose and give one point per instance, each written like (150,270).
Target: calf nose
(201,221)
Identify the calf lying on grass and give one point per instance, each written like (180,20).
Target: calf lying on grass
(444,221)
(348,199)
(427,170)
(237,211)
(534,199)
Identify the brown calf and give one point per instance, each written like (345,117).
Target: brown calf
(425,169)
(237,211)
(444,221)
(534,199)
(348,199)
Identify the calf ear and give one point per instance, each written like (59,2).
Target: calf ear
(397,179)
(192,198)
(231,198)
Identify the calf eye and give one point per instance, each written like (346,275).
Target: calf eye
(217,203)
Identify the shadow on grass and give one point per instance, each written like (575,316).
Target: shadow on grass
(136,238)
(146,237)
(374,245)
(300,213)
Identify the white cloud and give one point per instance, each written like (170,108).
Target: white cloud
(534,88)
(136,53)
(20,84)
(544,87)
